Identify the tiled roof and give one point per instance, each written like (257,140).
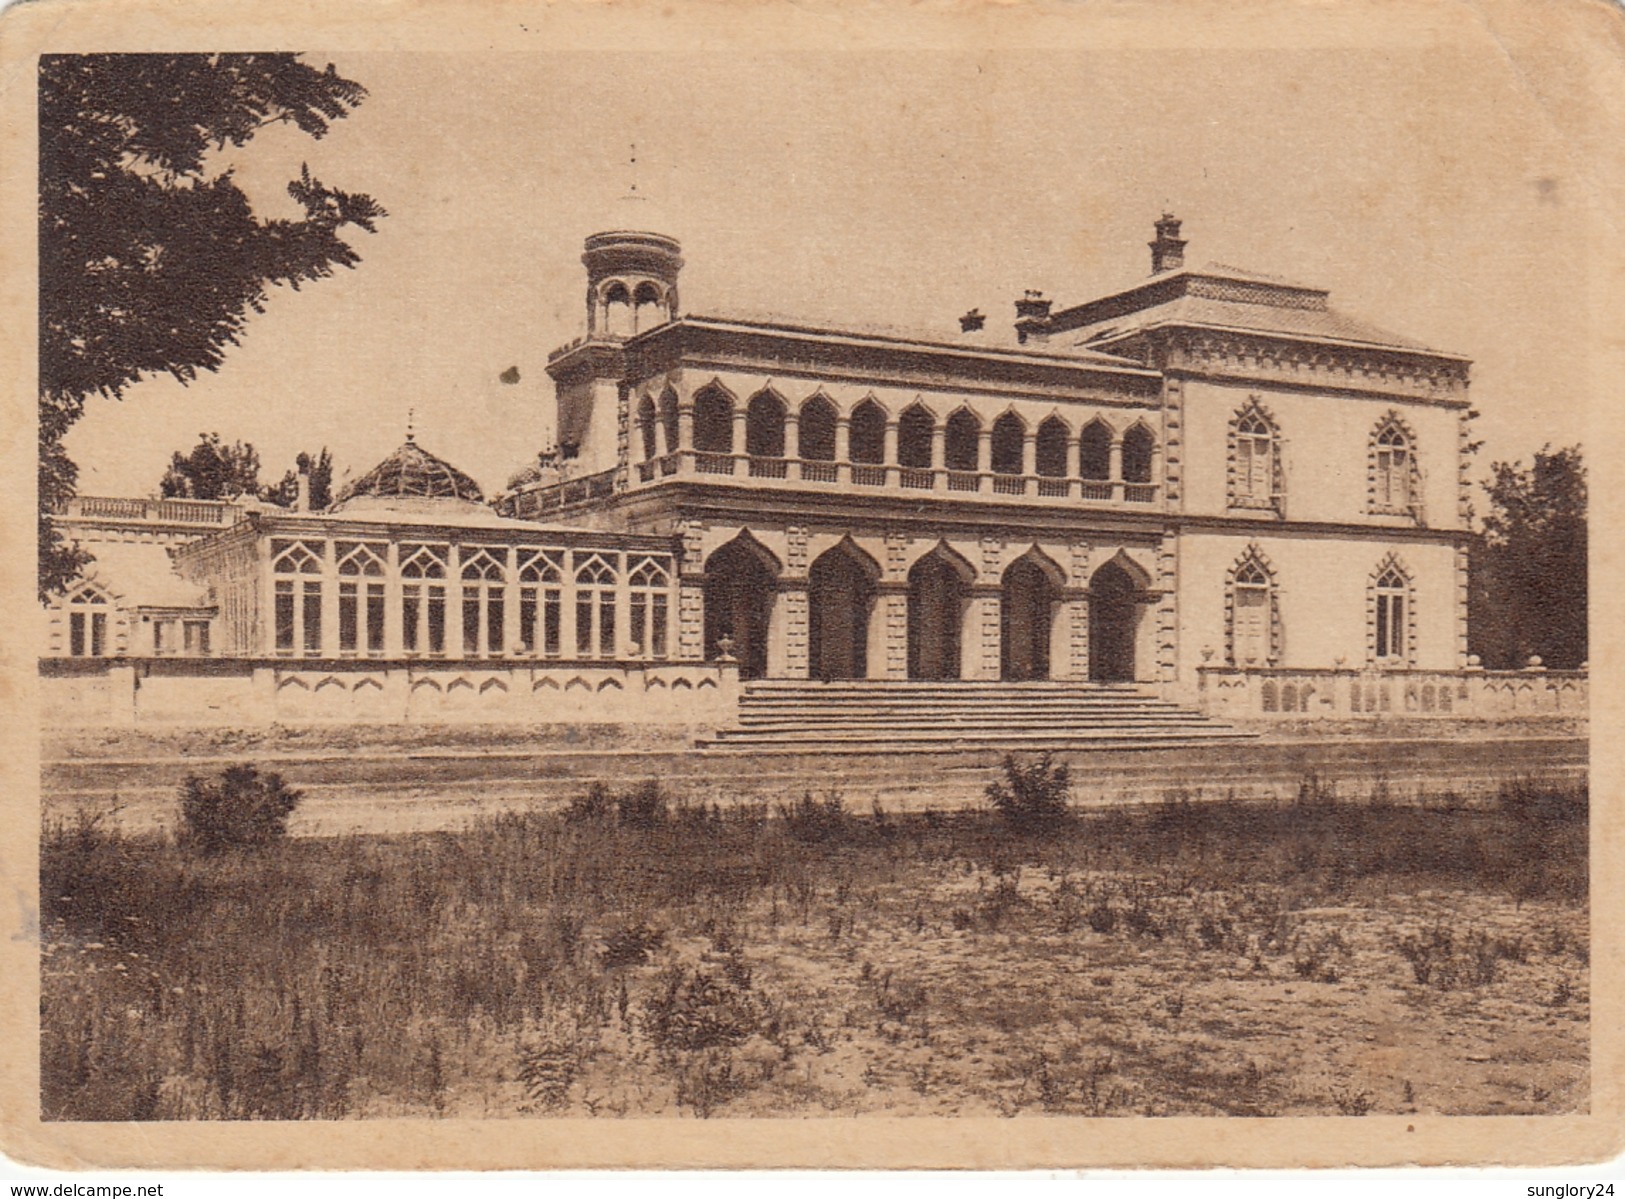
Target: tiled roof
(1202,311)
(412,471)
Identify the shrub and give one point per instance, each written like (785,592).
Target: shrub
(643,807)
(241,810)
(597,804)
(1032,796)
(813,820)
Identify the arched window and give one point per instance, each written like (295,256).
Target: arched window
(764,426)
(1393,482)
(1253,626)
(298,614)
(1138,446)
(423,598)
(1255,466)
(1391,614)
(1051,461)
(617,310)
(87,609)
(649,307)
(713,421)
(1008,434)
(541,599)
(361,597)
(963,432)
(1095,451)
(817,430)
(914,429)
(595,608)
(647,429)
(868,433)
(650,586)
(670,419)
(484,598)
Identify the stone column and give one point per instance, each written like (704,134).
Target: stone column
(567,609)
(622,636)
(394,636)
(1029,461)
(843,449)
(512,634)
(986,615)
(454,601)
(939,456)
(984,459)
(889,453)
(792,443)
(685,435)
(691,618)
(1075,600)
(330,601)
(741,466)
(1116,469)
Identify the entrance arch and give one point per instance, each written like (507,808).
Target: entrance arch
(1028,606)
(1114,619)
(741,583)
(840,603)
(938,599)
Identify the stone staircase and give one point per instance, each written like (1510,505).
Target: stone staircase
(885,716)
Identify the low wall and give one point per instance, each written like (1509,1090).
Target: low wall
(1373,695)
(246,693)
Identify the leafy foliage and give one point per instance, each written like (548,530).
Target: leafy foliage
(1032,796)
(242,810)
(213,470)
(1529,576)
(151,262)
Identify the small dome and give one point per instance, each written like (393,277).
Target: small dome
(412,472)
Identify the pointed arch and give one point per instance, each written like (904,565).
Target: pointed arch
(1252,619)
(714,419)
(1390,625)
(1393,473)
(670,419)
(1009,434)
(939,584)
(1095,451)
(962,435)
(764,424)
(841,590)
(1138,575)
(817,428)
(740,587)
(1029,610)
(1115,615)
(1139,450)
(1254,472)
(915,429)
(1054,437)
(867,433)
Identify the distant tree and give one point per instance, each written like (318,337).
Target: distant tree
(286,492)
(1527,591)
(212,470)
(152,261)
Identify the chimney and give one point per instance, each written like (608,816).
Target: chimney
(1032,306)
(1168,251)
(972,321)
(301,501)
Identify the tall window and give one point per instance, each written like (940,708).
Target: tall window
(1393,467)
(818,430)
(764,426)
(1051,449)
(87,623)
(670,419)
(1008,434)
(483,598)
(1252,633)
(1254,463)
(867,434)
(647,428)
(964,434)
(595,608)
(541,598)
(650,584)
(1095,451)
(914,433)
(1139,445)
(713,421)
(1390,614)
(423,599)
(298,614)
(361,597)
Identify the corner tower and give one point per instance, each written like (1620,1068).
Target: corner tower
(631,282)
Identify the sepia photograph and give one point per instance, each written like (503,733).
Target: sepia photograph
(748,580)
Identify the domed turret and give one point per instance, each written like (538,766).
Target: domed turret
(411,473)
(631,282)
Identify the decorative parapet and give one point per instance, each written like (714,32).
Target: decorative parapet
(1281,694)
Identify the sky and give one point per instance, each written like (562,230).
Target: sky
(1426,188)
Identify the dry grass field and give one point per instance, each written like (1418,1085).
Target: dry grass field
(630,957)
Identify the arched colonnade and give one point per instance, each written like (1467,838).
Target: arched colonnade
(870,607)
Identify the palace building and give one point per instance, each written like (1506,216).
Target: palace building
(1210,479)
